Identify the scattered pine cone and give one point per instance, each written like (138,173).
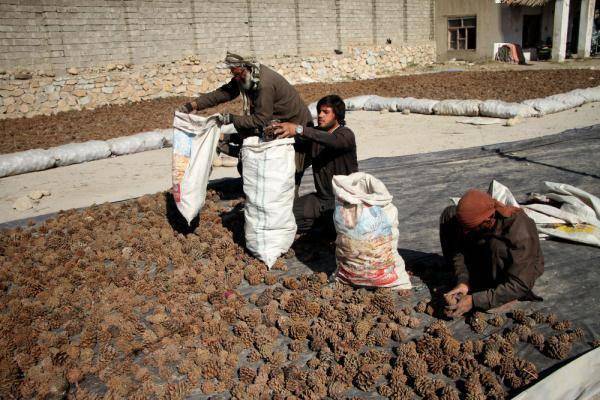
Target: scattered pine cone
(448,393)
(497,320)
(477,322)
(557,348)
(421,306)
(537,339)
(367,377)
(561,325)
(551,318)
(452,370)
(424,386)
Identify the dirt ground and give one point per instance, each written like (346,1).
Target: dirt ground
(120,120)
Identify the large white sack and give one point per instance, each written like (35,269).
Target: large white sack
(546,106)
(503,109)
(571,99)
(75,153)
(366,223)
(417,106)
(25,161)
(467,108)
(268,169)
(555,103)
(378,103)
(357,102)
(136,143)
(195,141)
(588,94)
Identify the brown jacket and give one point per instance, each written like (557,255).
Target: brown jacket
(330,154)
(274,98)
(498,266)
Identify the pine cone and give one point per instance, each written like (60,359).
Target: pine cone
(424,386)
(452,370)
(561,325)
(448,393)
(367,377)
(415,367)
(497,321)
(519,316)
(421,306)
(538,317)
(537,339)
(556,348)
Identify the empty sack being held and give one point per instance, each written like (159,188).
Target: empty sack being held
(366,223)
(268,169)
(195,140)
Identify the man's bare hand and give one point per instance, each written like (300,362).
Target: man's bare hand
(464,305)
(285,130)
(461,289)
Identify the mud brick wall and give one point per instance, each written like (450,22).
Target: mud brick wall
(56,39)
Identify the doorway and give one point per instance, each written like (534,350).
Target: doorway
(532,30)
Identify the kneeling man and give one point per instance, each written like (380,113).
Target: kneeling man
(494,251)
(331,148)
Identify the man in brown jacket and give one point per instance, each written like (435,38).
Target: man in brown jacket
(494,251)
(266,96)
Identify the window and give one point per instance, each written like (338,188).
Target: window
(462,33)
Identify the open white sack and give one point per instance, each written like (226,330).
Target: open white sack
(195,141)
(268,169)
(366,223)
(576,220)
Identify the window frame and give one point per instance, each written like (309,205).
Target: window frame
(461,33)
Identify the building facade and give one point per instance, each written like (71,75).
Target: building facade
(474,29)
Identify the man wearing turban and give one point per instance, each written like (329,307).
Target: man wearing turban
(494,251)
(266,96)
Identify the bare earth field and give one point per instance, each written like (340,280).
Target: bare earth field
(120,120)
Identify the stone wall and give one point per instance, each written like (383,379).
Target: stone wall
(26,94)
(57,55)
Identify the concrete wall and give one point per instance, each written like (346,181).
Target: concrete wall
(60,55)
(55,35)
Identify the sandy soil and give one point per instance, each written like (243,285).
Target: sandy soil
(119,120)
(378,135)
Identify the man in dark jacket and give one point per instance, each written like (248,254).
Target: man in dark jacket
(494,251)
(266,96)
(331,149)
